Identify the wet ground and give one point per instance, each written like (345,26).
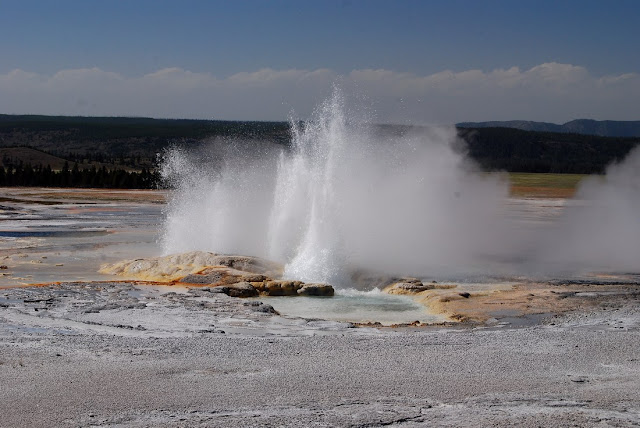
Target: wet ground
(64,235)
(127,353)
(122,354)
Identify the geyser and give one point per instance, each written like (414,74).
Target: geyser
(345,195)
(349,196)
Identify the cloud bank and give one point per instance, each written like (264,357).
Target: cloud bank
(551,92)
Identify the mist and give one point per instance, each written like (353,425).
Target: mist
(600,231)
(348,195)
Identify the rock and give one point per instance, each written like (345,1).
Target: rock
(214,279)
(249,264)
(578,379)
(241,289)
(415,287)
(236,276)
(464,294)
(264,308)
(460,318)
(280,287)
(316,290)
(177,266)
(252,303)
(218,275)
(366,280)
(408,287)
(409,280)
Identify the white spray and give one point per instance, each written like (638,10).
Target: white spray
(600,231)
(348,195)
(345,195)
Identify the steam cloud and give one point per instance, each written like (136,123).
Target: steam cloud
(601,231)
(349,195)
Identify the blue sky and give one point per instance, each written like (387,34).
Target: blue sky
(410,39)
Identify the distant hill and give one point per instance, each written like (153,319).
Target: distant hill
(131,144)
(26,155)
(515,150)
(603,128)
(73,136)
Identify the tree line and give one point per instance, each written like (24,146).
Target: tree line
(126,144)
(514,150)
(93,177)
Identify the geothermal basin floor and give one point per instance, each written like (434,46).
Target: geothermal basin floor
(89,353)
(121,354)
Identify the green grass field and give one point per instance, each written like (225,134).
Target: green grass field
(544,185)
(556,181)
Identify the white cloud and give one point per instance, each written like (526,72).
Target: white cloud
(552,92)
(86,74)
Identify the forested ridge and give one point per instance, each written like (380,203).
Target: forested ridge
(123,152)
(603,128)
(515,150)
(114,152)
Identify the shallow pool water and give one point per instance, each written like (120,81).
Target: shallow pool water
(355,306)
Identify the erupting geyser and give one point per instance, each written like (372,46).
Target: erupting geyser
(345,195)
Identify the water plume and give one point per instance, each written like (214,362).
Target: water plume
(349,196)
(345,195)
